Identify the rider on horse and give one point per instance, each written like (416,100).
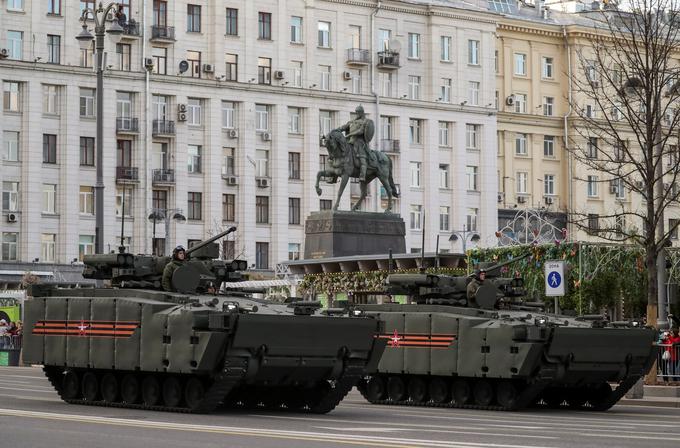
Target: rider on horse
(359,132)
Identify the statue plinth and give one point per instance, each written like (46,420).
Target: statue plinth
(345,234)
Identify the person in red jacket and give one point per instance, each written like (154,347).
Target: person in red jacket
(674,341)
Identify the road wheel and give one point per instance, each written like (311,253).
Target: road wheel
(172,392)
(483,393)
(461,392)
(375,389)
(439,390)
(90,387)
(417,390)
(506,394)
(396,390)
(70,385)
(109,388)
(576,398)
(194,393)
(553,398)
(599,395)
(151,391)
(129,389)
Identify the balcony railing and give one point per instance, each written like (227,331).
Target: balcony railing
(389,145)
(131,29)
(127,173)
(357,56)
(162,176)
(163,127)
(163,33)
(388,59)
(127,124)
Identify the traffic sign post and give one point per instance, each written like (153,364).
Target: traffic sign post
(554,281)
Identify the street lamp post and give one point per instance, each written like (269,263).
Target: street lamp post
(463,236)
(99,15)
(165,214)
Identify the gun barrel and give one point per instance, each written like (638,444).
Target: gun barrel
(412,279)
(210,240)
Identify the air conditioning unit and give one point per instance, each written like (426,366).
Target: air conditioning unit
(232,133)
(278,74)
(208,68)
(266,136)
(510,101)
(232,180)
(182,107)
(640,185)
(12,217)
(521,199)
(4,52)
(346,76)
(548,200)
(500,197)
(262,182)
(148,63)
(181,116)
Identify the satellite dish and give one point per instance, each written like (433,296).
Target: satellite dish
(183,66)
(394,45)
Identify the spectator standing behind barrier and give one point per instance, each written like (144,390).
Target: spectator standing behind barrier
(674,341)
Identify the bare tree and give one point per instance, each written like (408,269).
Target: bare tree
(625,94)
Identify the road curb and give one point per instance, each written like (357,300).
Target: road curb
(650,402)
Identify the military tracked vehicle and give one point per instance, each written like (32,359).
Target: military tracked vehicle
(134,345)
(499,351)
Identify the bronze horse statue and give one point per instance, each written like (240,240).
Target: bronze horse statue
(345,164)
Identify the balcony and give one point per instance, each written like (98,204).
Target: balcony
(163,128)
(357,56)
(131,30)
(162,33)
(163,177)
(388,60)
(127,174)
(390,146)
(127,125)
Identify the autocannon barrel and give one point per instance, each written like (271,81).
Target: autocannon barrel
(412,280)
(210,240)
(109,260)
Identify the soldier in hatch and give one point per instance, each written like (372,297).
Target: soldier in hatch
(359,132)
(473,286)
(178,258)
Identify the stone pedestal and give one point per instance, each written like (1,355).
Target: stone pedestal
(345,234)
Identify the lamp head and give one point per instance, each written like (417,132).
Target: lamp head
(115,32)
(85,38)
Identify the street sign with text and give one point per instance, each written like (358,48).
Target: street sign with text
(554,278)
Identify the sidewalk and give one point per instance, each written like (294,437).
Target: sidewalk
(662,396)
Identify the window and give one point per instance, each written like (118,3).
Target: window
(232,22)
(591,111)
(264,22)
(10,196)
(324,35)
(15,44)
(591,73)
(87,102)
(293,165)
(387,124)
(592,186)
(228,161)
(262,209)
(293,251)
(194,60)
(413,46)
(673,229)
(385,84)
(160,60)
(325,121)
(160,156)
(47,247)
(473,52)
(194,159)
(9,246)
(547,67)
(325,81)
(356,81)
(471,177)
(414,87)
(496,101)
(297,74)
(49,148)
(86,206)
(264,71)
(127,205)
(53,49)
(473,93)
(124,52)
(261,117)
(85,246)
(294,211)
(11,96)
(15,5)
(354,35)
(228,112)
(445,48)
(591,148)
(124,107)
(443,175)
(619,188)
(325,204)
(193,18)
(87,56)
(49,198)
(54,7)
(522,184)
(195,206)
(194,111)
(160,13)
(444,218)
(444,133)
(229,207)
(261,255)
(416,217)
(548,146)
(415,173)
(261,163)
(593,222)
(124,153)
(159,199)
(471,219)
(521,144)
(231,66)
(415,128)
(294,120)
(620,148)
(548,106)
(384,39)
(520,64)
(520,103)
(445,90)
(549,184)
(472,132)
(11,147)
(87,151)
(296,30)
(50,99)
(620,223)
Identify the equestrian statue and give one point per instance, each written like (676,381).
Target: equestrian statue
(349,155)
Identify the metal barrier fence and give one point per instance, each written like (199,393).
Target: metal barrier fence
(10,342)
(668,369)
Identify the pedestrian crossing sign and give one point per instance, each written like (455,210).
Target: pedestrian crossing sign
(554,278)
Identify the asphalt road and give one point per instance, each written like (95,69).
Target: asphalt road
(31,415)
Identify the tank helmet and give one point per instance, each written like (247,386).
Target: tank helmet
(177,250)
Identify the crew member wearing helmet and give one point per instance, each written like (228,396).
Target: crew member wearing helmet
(178,259)
(474,285)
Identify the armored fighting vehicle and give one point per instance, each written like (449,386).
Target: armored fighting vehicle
(134,345)
(499,351)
